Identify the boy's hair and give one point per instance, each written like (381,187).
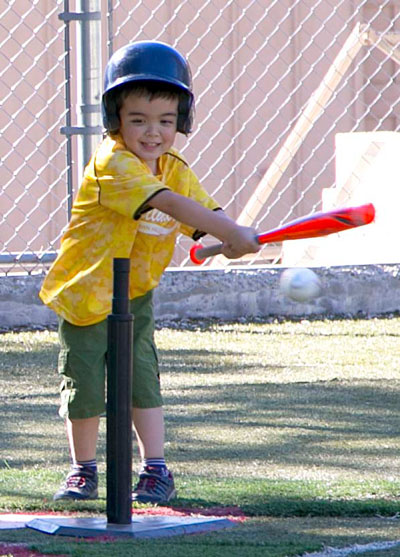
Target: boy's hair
(154,66)
(149,89)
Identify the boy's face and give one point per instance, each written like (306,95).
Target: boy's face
(148,127)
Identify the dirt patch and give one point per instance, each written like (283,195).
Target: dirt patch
(231,513)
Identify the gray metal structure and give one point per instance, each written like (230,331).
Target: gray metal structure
(89,129)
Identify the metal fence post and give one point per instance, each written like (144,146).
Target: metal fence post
(90,84)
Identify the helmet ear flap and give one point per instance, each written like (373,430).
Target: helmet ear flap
(185,115)
(110,115)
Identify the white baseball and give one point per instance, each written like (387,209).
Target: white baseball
(300,285)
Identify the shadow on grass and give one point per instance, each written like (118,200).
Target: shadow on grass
(204,361)
(19,361)
(320,426)
(296,505)
(348,426)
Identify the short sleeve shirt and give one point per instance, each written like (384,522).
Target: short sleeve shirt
(110,218)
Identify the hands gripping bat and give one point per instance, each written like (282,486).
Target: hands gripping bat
(310,226)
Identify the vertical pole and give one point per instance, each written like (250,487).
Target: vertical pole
(119,400)
(90,78)
(67,71)
(110,28)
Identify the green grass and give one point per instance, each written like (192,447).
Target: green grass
(296,423)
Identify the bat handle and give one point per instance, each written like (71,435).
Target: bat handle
(199,253)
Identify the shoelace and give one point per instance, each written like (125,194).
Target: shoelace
(149,483)
(76,481)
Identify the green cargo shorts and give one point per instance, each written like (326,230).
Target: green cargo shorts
(82,364)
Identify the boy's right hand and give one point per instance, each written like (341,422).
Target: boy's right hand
(241,241)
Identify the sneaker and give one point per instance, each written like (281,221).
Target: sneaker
(154,487)
(79,484)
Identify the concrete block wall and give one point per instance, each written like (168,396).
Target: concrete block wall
(230,294)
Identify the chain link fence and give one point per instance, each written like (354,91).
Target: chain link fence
(290,97)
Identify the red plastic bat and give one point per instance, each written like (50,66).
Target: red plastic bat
(310,226)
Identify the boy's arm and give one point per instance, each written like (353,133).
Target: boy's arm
(237,240)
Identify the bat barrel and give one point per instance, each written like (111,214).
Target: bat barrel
(310,226)
(119,399)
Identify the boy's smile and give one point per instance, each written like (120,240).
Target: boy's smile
(148,127)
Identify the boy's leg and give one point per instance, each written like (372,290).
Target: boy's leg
(156,484)
(82,438)
(149,429)
(82,366)
(81,482)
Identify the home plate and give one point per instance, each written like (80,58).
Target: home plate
(18,520)
(140,527)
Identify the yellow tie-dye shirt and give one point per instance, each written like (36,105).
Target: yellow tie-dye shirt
(110,218)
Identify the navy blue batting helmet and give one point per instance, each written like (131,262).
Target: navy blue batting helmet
(148,61)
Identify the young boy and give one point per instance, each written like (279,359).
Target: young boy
(137,195)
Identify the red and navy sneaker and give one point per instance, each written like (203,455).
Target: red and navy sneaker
(155,485)
(79,485)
